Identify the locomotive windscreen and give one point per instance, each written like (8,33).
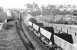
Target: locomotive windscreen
(33,20)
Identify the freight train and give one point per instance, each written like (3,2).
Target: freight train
(50,38)
(45,33)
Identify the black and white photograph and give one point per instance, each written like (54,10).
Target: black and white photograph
(38,24)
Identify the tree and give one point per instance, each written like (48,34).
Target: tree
(29,6)
(15,13)
(3,15)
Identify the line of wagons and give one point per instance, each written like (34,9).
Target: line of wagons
(49,37)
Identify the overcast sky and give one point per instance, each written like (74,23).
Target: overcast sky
(20,3)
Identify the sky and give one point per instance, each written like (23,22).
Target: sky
(20,3)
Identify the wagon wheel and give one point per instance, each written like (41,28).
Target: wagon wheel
(58,48)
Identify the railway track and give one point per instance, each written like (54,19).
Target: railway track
(28,45)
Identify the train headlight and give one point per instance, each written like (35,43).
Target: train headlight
(50,43)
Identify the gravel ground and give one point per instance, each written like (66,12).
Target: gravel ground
(9,40)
